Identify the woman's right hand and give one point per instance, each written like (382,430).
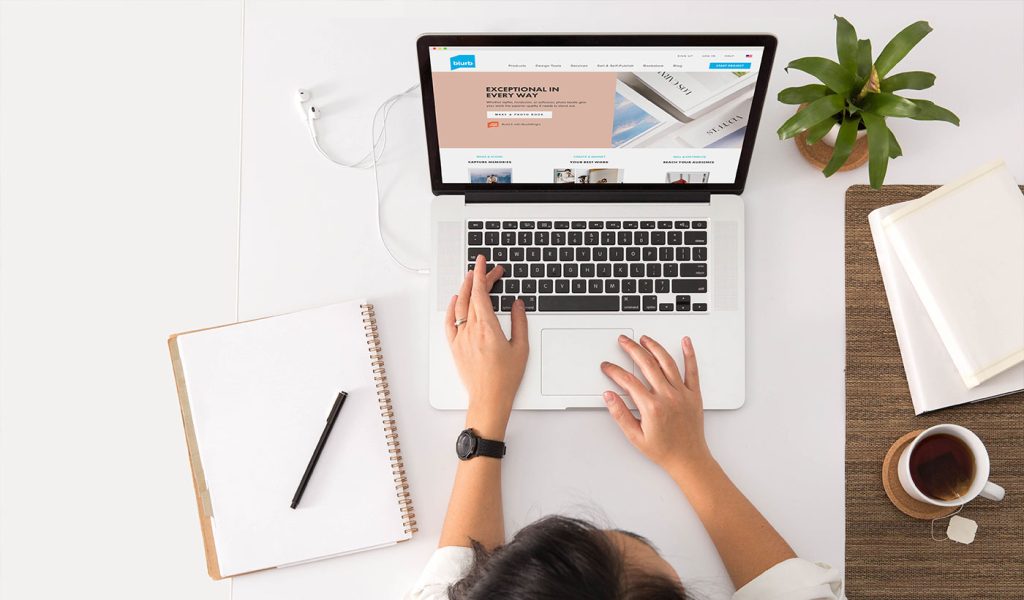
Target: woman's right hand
(670,431)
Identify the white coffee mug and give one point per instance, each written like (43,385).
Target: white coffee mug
(980,485)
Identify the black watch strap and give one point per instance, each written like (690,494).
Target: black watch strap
(490,448)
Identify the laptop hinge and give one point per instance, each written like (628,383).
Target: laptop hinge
(561,196)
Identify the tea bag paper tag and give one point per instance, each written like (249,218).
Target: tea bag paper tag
(961,530)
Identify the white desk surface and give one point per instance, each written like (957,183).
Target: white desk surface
(307,238)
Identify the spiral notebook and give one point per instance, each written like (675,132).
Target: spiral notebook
(254,399)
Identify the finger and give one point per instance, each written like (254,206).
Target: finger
(665,361)
(480,301)
(627,381)
(449,320)
(496,273)
(691,376)
(519,338)
(462,304)
(648,364)
(629,424)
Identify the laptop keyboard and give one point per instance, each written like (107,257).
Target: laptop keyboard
(595,266)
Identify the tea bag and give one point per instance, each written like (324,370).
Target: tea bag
(961,529)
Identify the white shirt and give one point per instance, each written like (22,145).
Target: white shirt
(793,579)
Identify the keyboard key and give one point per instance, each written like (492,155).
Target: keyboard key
(682,224)
(650,254)
(561,224)
(500,254)
(492,238)
(517,254)
(689,286)
(700,307)
(664,224)
(565,254)
(608,238)
(579,286)
(632,254)
(558,238)
(604,270)
(546,286)
(675,238)
(600,254)
(554,270)
(537,270)
(475,225)
(492,224)
(683,303)
(562,286)
(629,286)
(508,238)
(511,286)
(578,303)
(696,238)
(525,238)
(646,286)
(700,254)
(591,238)
(693,270)
(533,254)
(665,307)
(509,225)
(647,224)
(683,254)
(575,238)
(631,303)
(641,238)
(658,238)
(506,269)
(475,238)
(494,303)
(630,224)
(497,287)
(471,266)
(699,225)
(637,270)
(671,270)
(529,286)
(550,254)
(611,286)
(595,286)
(579,224)
(506,303)
(474,252)
(582,254)
(542,238)
(616,255)
(526,224)
(625,238)
(521,270)
(543,224)
(620,270)
(595,225)
(650,303)
(571,270)
(587,270)
(665,254)
(529,303)
(653,269)
(613,224)
(662,286)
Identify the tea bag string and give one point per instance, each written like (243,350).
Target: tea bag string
(949,516)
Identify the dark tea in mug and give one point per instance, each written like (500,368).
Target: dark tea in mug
(942,466)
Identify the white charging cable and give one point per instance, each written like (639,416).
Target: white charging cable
(379,140)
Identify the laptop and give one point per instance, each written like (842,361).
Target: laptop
(604,173)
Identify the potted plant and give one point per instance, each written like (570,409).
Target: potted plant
(856,95)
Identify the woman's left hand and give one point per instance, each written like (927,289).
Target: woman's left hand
(491,366)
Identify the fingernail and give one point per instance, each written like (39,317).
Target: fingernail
(643,338)
(519,303)
(622,339)
(604,364)
(608,397)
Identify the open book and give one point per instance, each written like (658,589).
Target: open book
(254,400)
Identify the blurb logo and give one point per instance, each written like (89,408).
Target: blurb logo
(464,61)
(492,124)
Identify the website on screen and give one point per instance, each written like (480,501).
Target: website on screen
(592,115)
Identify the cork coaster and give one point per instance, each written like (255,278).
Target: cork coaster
(819,153)
(897,495)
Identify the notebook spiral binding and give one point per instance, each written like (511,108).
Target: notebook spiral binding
(387,415)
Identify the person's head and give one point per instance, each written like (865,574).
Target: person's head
(561,557)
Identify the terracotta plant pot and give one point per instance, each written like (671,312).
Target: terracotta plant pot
(820,152)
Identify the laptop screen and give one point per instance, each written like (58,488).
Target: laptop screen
(592,115)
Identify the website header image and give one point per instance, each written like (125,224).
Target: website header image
(594,59)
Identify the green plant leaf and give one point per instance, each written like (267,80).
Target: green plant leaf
(812,113)
(878,148)
(911,80)
(900,45)
(818,130)
(929,111)
(828,71)
(863,61)
(844,145)
(889,105)
(804,93)
(894,147)
(846,44)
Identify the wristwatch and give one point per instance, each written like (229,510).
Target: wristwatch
(470,445)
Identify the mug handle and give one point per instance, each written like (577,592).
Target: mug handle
(992,491)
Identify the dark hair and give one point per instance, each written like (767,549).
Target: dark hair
(558,558)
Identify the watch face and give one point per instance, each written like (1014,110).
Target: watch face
(465,445)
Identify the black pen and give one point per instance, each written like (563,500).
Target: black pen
(331,419)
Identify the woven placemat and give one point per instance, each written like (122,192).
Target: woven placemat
(888,554)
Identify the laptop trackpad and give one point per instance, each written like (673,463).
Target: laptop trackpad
(571,360)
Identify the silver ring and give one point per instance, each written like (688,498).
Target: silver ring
(459,322)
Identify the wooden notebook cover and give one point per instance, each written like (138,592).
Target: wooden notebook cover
(888,554)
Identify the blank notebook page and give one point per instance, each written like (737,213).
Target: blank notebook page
(260,393)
